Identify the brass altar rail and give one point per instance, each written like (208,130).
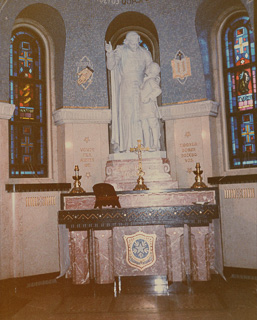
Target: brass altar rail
(175,216)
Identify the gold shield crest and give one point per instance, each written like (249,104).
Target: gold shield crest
(140,250)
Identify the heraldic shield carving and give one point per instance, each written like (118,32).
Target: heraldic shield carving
(140,250)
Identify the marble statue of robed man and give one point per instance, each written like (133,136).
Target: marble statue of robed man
(127,63)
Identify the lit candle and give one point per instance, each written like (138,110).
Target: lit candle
(76,171)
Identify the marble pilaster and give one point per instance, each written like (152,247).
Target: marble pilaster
(80,257)
(200,253)
(175,263)
(103,256)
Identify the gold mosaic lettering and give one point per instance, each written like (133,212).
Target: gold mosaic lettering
(40,201)
(87,160)
(239,193)
(87,149)
(86,165)
(188,151)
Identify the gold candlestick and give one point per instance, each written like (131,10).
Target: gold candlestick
(198,179)
(77,184)
(140,181)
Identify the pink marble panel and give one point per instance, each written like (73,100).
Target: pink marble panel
(200,253)
(79,257)
(122,268)
(175,257)
(151,199)
(79,203)
(166,198)
(103,256)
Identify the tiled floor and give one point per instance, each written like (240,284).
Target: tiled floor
(217,299)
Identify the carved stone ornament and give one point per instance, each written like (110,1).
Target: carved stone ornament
(181,67)
(85,72)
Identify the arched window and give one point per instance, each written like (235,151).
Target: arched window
(239,69)
(28,126)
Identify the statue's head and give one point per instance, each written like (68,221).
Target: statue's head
(153,69)
(132,40)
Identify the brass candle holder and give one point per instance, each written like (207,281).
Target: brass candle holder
(77,184)
(198,179)
(140,181)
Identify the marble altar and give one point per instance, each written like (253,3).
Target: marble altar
(183,221)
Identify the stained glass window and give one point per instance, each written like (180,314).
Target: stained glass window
(27,127)
(240,85)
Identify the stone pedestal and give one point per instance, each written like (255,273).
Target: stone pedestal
(123,173)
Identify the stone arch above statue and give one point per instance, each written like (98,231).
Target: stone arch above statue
(134,21)
(131,45)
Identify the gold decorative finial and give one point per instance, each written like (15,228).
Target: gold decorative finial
(198,179)
(140,181)
(77,184)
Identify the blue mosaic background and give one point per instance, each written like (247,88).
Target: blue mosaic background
(181,25)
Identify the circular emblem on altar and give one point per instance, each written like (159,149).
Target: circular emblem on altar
(140,250)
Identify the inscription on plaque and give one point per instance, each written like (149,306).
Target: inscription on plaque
(87,157)
(188,151)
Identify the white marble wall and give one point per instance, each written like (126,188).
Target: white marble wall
(6,232)
(28,221)
(238,207)
(29,236)
(35,232)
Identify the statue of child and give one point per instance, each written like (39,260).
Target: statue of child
(149,112)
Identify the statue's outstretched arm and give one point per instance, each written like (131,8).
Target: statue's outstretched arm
(110,54)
